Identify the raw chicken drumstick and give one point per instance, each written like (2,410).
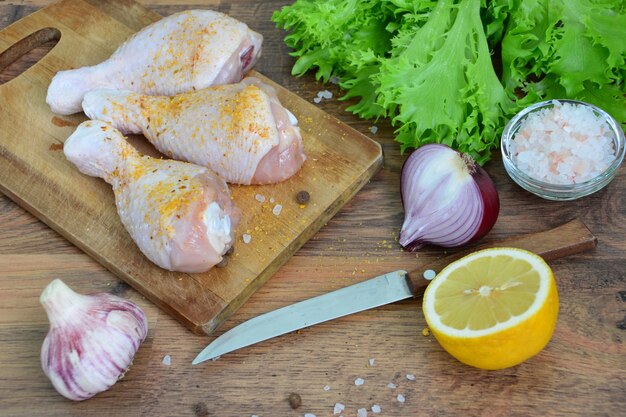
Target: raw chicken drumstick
(180,215)
(183,52)
(240,131)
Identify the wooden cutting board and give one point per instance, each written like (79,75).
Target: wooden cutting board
(36,175)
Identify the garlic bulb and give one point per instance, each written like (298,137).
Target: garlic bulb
(91,342)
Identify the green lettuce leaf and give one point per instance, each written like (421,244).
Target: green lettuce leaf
(568,49)
(442,87)
(429,65)
(495,14)
(326,34)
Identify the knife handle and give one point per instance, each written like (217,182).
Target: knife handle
(568,239)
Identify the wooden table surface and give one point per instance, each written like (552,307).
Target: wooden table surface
(581,372)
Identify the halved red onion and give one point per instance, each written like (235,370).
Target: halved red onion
(448,199)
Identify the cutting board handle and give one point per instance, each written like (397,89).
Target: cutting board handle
(26,44)
(26,34)
(568,239)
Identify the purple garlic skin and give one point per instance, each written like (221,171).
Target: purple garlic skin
(91,342)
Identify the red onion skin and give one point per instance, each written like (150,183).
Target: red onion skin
(491,205)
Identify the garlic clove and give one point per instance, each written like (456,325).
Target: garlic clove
(91,342)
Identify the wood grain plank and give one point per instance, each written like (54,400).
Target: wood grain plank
(23,325)
(580,373)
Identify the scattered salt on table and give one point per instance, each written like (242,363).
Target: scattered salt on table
(361,412)
(260,198)
(400,398)
(246,238)
(325,94)
(565,144)
(326,387)
(167,360)
(359,381)
(410,377)
(392,385)
(277,209)
(338,408)
(376,408)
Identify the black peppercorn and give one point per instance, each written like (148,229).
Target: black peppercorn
(201,410)
(295,400)
(303,197)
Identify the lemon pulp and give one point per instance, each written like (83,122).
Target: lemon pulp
(494,308)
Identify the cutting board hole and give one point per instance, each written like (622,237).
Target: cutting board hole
(27,52)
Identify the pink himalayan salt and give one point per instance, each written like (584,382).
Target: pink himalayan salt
(565,144)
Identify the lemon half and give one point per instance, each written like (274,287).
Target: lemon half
(494,308)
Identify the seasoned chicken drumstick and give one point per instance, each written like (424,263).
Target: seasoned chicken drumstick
(240,131)
(180,215)
(183,52)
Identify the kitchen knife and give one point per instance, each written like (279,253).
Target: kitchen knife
(568,239)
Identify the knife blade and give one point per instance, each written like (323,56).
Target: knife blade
(565,240)
(374,292)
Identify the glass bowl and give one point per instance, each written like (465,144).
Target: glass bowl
(560,191)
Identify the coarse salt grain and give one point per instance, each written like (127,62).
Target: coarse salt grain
(325,94)
(359,381)
(361,412)
(326,387)
(565,144)
(272,200)
(167,360)
(338,408)
(277,209)
(246,238)
(260,198)
(374,129)
(376,408)
(400,398)
(334,80)
(410,377)
(372,362)
(392,385)
(309,415)
(317,100)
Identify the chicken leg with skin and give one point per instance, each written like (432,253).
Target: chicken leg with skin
(180,215)
(186,51)
(240,131)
